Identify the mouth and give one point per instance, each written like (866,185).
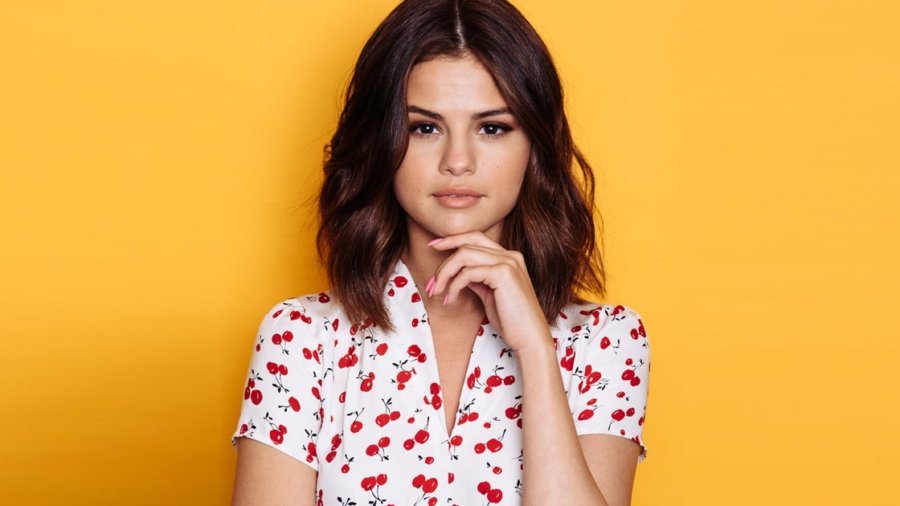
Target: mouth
(457,198)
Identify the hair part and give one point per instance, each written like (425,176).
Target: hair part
(362,226)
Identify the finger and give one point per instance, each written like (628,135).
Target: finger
(475,238)
(466,256)
(490,276)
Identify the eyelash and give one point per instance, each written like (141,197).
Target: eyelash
(502,129)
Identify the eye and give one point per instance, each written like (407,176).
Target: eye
(422,128)
(495,129)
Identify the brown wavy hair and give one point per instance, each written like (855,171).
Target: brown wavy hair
(362,226)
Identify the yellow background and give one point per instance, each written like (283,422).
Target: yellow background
(157,164)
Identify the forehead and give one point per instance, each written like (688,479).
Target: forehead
(448,83)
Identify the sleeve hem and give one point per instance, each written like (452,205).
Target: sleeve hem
(592,430)
(283,449)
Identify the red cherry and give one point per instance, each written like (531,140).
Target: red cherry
(422,436)
(512,413)
(433,501)
(384,442)
(635,381)
(416,297)
(429,460)
(410,419)
(256,397)
(418,480)
(470,381)
(371,450)
(276,339)
(356,426)
(404,376)
(330,456)
(629,361)
(488,390)
(630,412)
(484,487)
(382,419)
(368,483)
(409,444)
(450,477)
(391,292)
(473,416)
(494,445)
(395,415)
(495,495)
(456,440)
(295,404)
(618,415)
(282,369)
(400,281)
(436,402)
(479,448)
(246,392)
(620,394)
(307,354)
(586,414)
(415,322)
(497,470)
(324,298)
(435,389)
(414,350)
(311,449)
(277,436)
(422,358)
(381,479)
(272,367)
(244,428)
(334,324)
(366,385)
(477,372)
(494,381)
(430,485)
(509,380)
(345,468)
(604,343)
(381,349)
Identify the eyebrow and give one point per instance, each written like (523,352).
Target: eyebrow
(476,116)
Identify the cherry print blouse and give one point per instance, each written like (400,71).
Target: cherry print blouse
(364,407)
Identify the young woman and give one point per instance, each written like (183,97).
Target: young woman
(452,361)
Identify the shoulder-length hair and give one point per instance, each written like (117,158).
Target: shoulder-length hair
(362,226)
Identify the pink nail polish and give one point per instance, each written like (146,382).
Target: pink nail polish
(432,243)
(429,286)
(446,298)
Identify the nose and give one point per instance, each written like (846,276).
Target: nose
(458,157)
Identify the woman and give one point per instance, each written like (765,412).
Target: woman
(451,362)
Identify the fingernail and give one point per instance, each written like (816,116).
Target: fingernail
(446,298)
(432,243)
(429,285)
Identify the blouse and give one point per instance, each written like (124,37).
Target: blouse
(363,407)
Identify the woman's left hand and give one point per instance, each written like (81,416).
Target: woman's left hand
(500,279)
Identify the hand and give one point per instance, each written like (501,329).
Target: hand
(500,279)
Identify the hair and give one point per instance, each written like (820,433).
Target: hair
(362,226)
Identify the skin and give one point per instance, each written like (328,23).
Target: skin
(454,254)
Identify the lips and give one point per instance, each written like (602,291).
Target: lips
(457,192)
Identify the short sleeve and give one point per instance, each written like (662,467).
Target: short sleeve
(282,402)
(611,380)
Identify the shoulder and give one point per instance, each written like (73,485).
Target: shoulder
(602,328)
(307,315)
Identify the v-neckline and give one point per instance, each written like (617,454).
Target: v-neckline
(465,392)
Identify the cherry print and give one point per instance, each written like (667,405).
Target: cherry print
(484,487)
(418,480)
(400,281)
(324,368)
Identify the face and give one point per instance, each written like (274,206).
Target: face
(467,153)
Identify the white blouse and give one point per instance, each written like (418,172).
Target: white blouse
(364,407)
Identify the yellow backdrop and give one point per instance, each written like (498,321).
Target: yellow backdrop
(157,164)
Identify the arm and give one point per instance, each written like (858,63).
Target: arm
(266,476)
(555,456)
